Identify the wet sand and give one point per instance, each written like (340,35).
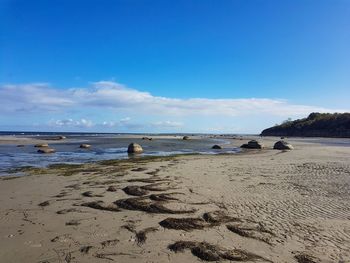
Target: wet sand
(256,206)
(16,140)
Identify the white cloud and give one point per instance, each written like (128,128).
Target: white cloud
(110,95)
(167,124)
(122,122)
(33,97)
(83,123)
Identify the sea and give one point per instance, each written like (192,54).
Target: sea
(104,146)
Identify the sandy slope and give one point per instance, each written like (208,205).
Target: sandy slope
(279,206)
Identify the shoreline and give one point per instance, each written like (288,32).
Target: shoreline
(227,142)
(280,206)
(102,148)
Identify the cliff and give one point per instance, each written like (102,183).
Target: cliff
(315,125)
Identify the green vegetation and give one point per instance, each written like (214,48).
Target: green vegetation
(315,125)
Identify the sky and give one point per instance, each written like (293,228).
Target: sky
(208,66)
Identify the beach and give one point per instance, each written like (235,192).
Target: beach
(253,206)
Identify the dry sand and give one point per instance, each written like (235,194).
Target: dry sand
(257,206)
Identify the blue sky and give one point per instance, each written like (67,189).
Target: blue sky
(171,66)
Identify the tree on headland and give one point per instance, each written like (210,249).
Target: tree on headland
(315,125)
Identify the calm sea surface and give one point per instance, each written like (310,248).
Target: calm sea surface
(103,147)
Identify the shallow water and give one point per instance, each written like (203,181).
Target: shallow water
(103,147)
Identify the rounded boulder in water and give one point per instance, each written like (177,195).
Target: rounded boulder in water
(134,148)
(216,147)
(46,150)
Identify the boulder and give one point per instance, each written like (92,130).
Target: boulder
(134,148)
(216,147)
(186,137)
(41,145)
(46,150)
(283,145)
(253,144)
(85,146)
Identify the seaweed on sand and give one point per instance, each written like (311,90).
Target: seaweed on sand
(186,224)
(218,217)
(85,249)
(135,190)
(66,211)
(73,222)
(112,188)
(106,255)
(240,231)
(164,197)
(141,236)
(43,204)
(138,190)
(73,186)
(154,173)
(147,180)
(100,206)
(156,187)
(107,243)
(147,205)
(208,219)
(139,169)
(303,258)
(61,194)
(255,231)
(91,194)
(208,252)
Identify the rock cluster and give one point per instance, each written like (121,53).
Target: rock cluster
(253,144)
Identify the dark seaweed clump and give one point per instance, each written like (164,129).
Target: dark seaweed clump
(208,219)
(135,190)
(147,205)
(100,206)
(208,252)
(184,223)
(303,258)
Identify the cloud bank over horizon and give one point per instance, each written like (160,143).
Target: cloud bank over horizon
(113,107)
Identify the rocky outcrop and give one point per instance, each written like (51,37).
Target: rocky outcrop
(134,148)
(283,145)
(253,144)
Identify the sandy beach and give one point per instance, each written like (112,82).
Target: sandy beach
(256,206)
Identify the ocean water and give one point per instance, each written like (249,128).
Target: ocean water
(103,147)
